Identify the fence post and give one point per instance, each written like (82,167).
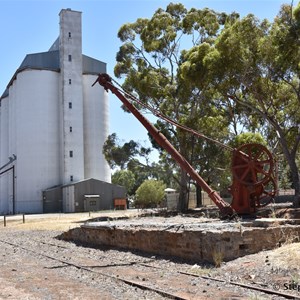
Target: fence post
(23,218)
(4,221)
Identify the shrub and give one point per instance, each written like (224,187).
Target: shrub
(150,193)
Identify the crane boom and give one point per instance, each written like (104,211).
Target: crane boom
(225,208)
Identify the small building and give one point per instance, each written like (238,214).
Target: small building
(86,195)
(170,191)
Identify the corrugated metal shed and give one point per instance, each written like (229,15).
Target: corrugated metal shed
(52,200)
(74,202)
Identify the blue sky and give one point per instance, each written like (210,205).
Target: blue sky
(30,26)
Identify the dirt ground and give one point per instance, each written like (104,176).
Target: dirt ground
(28,270)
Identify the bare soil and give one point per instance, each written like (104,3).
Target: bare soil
(29,270)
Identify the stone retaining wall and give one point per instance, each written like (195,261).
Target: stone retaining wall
(199,245)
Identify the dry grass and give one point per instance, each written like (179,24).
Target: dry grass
(60,222)
(51,223)
(286,257)
(218,257)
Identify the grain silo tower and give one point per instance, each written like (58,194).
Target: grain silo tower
(52,123)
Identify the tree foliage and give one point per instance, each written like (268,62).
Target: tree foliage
(150,58)
(150,193)
(117,155)
(218,74)
(247,138)
(253,67)
(131,160)
(124,178)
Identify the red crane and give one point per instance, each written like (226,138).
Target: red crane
(252,165)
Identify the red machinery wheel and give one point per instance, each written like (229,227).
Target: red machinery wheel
(268,193)
(252,164)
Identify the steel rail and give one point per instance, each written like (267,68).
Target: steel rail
(117,278)
(145,287)
(244,285)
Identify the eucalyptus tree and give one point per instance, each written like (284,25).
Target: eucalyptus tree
(132,164)
(252,69)
(150,58)
(124,178)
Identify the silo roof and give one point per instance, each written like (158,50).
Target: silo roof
(92,66)
(40,61)
(50,61)
(43,60)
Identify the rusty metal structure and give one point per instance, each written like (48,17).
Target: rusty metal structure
(253,183)
(252,164)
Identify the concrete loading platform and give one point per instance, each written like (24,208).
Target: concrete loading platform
(197,239)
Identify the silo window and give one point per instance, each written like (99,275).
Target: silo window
(70,105)
(71,153)
(70,57)
(71,129)
(70,81)
(71,178)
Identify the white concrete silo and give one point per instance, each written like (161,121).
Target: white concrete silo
(53,121)
(4,156)
(96,129)
(37,137)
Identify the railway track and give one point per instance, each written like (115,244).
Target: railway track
(144,273)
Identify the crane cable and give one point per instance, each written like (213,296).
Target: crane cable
(158,114)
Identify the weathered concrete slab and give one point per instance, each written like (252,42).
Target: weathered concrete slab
(271,222)
(197,239)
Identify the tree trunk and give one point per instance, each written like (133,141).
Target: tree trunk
(199,195)
(183,203)
(295,183)
(291,159)
(295,179)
